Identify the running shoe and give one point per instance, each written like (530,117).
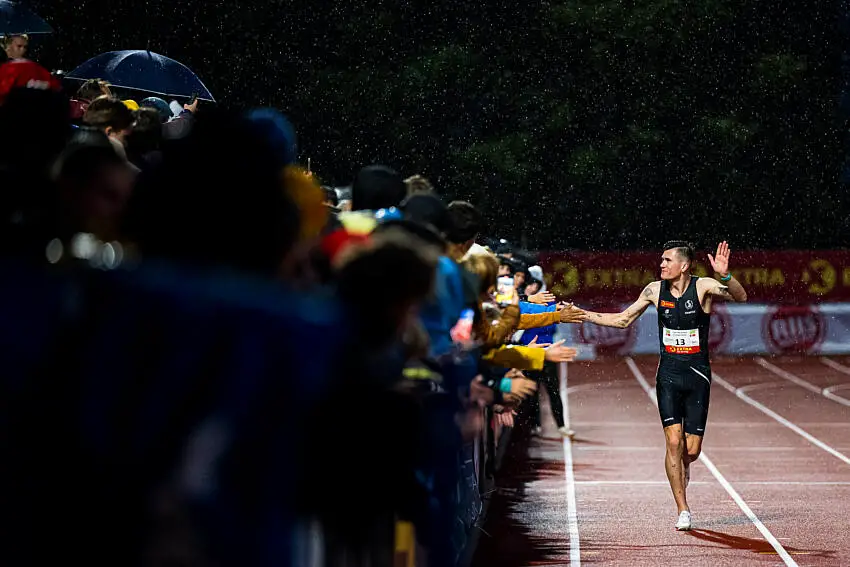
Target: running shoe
(684,523)
(566,432)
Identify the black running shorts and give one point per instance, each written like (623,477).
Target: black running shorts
(683,395)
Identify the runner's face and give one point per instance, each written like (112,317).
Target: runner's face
(672,264)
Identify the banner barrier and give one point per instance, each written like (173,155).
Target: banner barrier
(788,277)
(745,329)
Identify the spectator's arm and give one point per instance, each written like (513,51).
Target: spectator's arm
(498,333)
(535,320)
(522,358)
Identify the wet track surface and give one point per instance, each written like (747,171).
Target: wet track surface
(783,447)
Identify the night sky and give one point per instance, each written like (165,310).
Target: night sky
(589,124)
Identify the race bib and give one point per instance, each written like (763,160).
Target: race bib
(685,341)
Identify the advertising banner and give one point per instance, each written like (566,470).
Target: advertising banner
(746,329)
(784,277)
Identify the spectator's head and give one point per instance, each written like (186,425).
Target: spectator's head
(520,275)
(677,259)
(377,187)
(331,198)
(536,274)
(92,89)
(278,132)
(506,266)
(216,200)
(112,116)
(424,219)
(503,248)
(427,209)
(464,227)
(418,184)
(94,185)
(533,286)
(394,256)
(15,46)
(158,104)
(146,136)
(486,268)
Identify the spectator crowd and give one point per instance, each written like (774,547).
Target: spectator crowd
(210,358)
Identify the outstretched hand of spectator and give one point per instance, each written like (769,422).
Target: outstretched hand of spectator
(541,298)
(535,344)
(559,353)
(523,387)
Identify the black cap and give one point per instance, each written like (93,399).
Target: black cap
(377,187)
(427,209)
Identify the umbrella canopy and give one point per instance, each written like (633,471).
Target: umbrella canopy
(143,70)
(17,19)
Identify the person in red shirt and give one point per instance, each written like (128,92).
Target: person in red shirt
(25,74)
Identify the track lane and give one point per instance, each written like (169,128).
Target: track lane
(626,511)
(805,511)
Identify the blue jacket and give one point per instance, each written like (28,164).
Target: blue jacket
(544,334)
(443,310)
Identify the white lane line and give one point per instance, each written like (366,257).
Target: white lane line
(572,505)
(656,449)
(742,394)
(702,482)
(836,365)
(769,537)
(714,424)
(828,392)
(825,392)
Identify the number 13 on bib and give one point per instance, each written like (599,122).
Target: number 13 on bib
(685,341)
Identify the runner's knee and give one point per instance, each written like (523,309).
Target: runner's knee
(675,444)
(693,455)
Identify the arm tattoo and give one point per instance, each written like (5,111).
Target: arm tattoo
(647,291)
(599,315)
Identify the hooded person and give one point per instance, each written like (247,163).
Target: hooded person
(160,106)
(536,273)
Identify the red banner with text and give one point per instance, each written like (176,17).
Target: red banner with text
(786,277)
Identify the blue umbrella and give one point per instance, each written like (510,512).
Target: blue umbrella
(17,19)
(143,71)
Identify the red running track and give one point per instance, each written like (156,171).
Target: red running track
(779,443)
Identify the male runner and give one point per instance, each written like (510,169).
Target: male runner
(683,380)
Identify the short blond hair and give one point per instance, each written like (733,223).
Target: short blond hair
(7,39)
(486,267)
(418,184)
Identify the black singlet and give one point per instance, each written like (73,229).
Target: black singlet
(682,327)
(683,382)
